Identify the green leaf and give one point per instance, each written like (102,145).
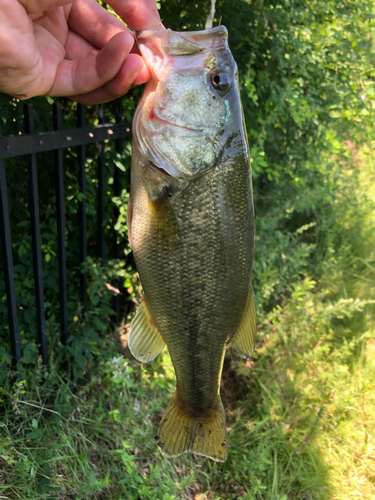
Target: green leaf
(32,435)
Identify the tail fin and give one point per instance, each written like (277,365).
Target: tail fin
(181,432)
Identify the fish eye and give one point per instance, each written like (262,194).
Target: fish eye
(220,81)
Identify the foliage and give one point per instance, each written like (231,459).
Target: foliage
(294,414)
(300,415)
(306,72)
(86,444)
(84,333)
(307,82)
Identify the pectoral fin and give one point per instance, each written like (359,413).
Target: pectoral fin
(244,340)
(145,341)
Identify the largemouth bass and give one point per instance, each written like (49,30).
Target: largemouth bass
(191,229)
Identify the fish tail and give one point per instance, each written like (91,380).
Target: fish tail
(180,431)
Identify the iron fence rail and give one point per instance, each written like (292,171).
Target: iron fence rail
(20,145)
(29,145)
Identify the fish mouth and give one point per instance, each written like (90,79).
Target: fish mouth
(155,116)
(143,141)
(160,170)
(177,139)
(149,115)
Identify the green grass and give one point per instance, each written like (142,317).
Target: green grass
(300,415)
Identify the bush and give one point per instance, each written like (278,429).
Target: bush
(293,412)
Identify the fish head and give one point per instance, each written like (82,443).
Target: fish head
(190,104)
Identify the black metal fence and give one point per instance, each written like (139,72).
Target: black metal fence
(30,145)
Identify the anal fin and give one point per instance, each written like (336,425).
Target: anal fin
(145,341)
(244,339)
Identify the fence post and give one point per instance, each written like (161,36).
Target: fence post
(36,238)
(6,243)
(117,193)
(101,189)
(31,145)
(82,207)
(60,206)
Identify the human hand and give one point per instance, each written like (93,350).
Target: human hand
(72,48)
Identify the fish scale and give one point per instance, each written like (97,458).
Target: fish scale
(192,235)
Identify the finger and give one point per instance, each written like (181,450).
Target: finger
(38,6)
(93,23)
(54,21)
(82,76)
(138,14)
(78,48)
(133,72)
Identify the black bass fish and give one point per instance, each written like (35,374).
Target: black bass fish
(191,229)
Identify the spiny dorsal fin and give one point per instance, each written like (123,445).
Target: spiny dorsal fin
(145,341)
(244,340)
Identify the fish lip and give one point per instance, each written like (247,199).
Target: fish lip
(221,29)
(160,170)
(182,177)
(189,127)
(163,173)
